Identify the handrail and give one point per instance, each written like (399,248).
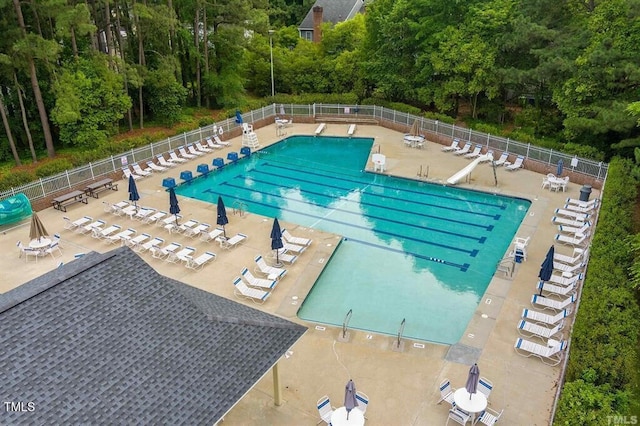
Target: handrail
(239,207)
(400,331)
(345,323)
(507,262)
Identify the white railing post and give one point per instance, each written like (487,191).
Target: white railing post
(93,176)
(44,193)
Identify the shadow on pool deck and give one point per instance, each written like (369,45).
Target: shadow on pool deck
(402,385)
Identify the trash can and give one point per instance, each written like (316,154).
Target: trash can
(585,192)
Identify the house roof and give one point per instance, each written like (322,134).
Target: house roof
(334,11)
(107,339)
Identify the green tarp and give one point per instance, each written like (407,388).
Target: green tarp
(14,209)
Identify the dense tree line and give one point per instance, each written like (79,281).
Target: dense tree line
(72,73)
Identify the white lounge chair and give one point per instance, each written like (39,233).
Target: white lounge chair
(550,353)
(155,217)
(163,252)
(572,230)
(293,248)
(542,318)
(144,213)
(164,163)
(320,128)
(464,150)
(269,271)
(295,240)
(212,235)
(283,256)
(193,151)
(129,211)
(475,153)
(219,141)
(183,227)
(578,256)
(203,148)
(213,145)
(574,215)
(201,260)
(121,236)
(182,255)
(68,224)
(559,220)
(153,166)
(584,204)
(454,145)
(138,170)
(156,242)
(105,233)
(529,329)
(88,229)
(446,392)
(486,157)
(573,240)
(548,303)
(502,160)
(352,130)
(174,157)
(563,267)
(257,282)
(552,290)
(184,154)
(516,164)
(126,173)
(579,209)
(325,410)
(565,281)
(232,242)
(197,230)
(136,241)
(256,295)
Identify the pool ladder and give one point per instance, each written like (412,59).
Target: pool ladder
(345,323)
(506,265)
(397,343)
(423,174)
(239,208)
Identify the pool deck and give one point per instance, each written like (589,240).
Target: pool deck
(402,385)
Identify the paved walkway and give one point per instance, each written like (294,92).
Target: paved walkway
(402,385)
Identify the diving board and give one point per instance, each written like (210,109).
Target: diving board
(466,170)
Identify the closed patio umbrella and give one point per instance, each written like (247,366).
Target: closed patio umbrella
(546,269)
(560,167)
(133,191)
(472,380)
(222,219)
(174,208)
(37,230)
(350,401)
(414,129)
(276,239)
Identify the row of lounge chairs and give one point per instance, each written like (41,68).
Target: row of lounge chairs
(471,152)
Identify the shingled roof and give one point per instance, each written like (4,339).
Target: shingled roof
(106,339)
(334,11)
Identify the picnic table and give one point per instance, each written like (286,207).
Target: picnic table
(60,203)
(93,189)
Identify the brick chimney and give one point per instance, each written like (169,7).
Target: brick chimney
(317,21)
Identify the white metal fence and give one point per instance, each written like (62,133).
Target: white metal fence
(87,173)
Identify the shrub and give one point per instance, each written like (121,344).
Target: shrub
(53,167)
(15,179)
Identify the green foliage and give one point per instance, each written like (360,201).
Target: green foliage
(583,151)
(165,96)
(53,167)
(15,179)
(601,373)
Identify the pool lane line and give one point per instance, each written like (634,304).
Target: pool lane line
(488,228)
(351,179)
(472,253)
(479,240)
(472,213)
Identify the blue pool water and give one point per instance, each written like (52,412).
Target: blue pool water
(411,251)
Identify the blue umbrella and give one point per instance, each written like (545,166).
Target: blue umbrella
(239,117)
(560,167)
(133,191)
(276,238)
(472,380)
(174,208)
(350,401)
(546,269)
(222,216)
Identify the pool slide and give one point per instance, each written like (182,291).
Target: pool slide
(466,170)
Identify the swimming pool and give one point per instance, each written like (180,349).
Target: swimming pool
(411,251)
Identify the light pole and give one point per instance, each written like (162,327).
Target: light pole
(273,86)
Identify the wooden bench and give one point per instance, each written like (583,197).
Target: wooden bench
(320,128)
(60,203)
(93,189)
(352,130)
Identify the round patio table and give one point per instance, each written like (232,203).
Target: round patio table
(339,417)
(39,243)
(472,403)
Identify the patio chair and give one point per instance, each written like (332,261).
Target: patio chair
(137,240)
(565,280)
(138,170)
(458,416)
(203,148)
(475,153)
(529,329)
(584,204)
(268,271)
(232,242)
(184,154)
(325,410)
(105,233)
(464,150)
(212,144)
(363,402)
(143,213)
(446,392)
(542,318)
(87,229)
(257,282)
(293,248)
(27,252)
(485,386)
(502,160)
(181,256)
(183,227)
(573,230)
(295,240)
(201,260)
(164,163)
(549,353)
(254,294)
(546,181)
(163,252)
(559,220)
(54,247)
(578,257)
(454,145)
(212,235)
(486,157)
(174,158)
(559,183)
(197,230)
(153,166)
(121,236)
(126,173)
(283,256)
(580,209)
(155,217)
(573,215)
(551,290)
(488,417)
(156,242)
(193,151)
(516,164)
(221,142)
(573,240)
(548,303)
(570,269)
